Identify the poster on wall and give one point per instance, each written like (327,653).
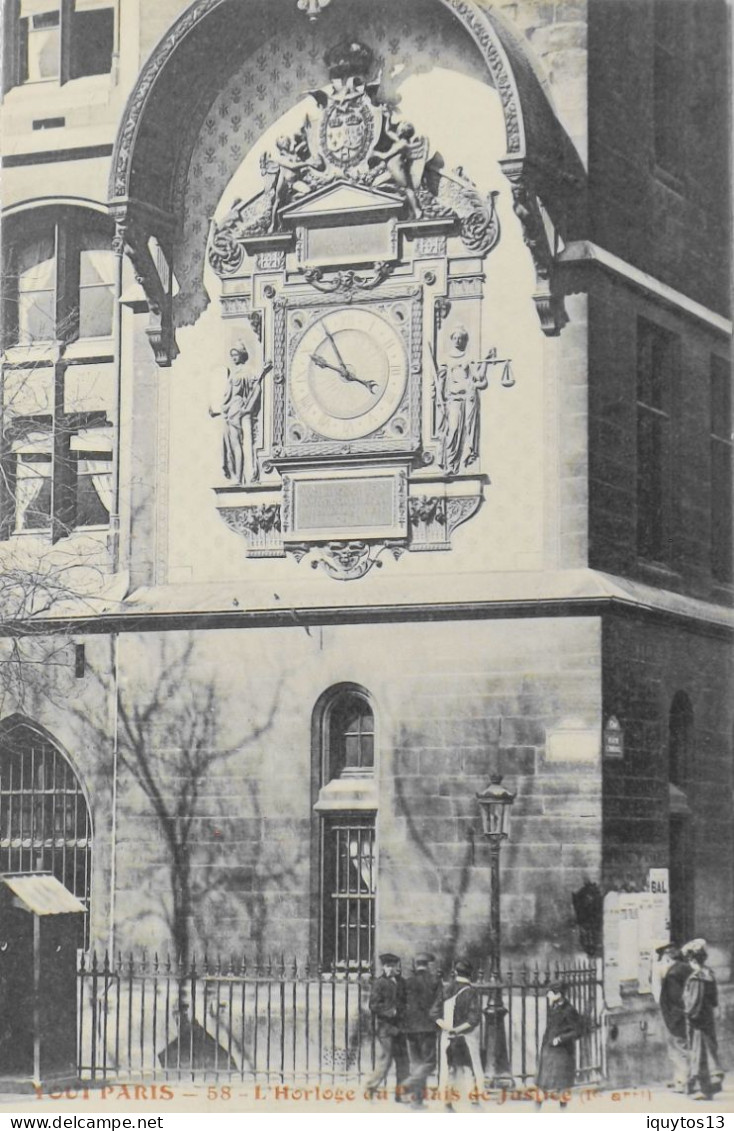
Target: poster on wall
(360,685)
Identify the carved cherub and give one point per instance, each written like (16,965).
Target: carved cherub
(404,162)
(290,162)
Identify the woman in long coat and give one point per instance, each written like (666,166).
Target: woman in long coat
(557,1068)
(700,998)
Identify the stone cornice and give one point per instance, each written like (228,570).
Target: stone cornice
(719,625)
(585,253)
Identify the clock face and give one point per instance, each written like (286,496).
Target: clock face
(348,373)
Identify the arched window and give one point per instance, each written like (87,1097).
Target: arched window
(346,729)
(44,817)
(680,744)
(680,829)
(349,736)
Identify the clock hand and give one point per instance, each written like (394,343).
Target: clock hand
(324,364)
(345,372)
(371,385)
(335,348)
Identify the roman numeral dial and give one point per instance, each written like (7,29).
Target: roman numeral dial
(348,373)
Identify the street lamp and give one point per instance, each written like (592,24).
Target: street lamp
(494,807)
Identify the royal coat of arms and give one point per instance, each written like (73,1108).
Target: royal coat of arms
(352,136)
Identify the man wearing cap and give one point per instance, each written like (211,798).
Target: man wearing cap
(457,1011)
(675,972)
(419,1027)
(387,1005)
(700,998)
(557,1067)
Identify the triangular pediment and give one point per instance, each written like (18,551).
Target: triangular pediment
(343,198)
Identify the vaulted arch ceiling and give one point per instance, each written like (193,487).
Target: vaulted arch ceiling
(208,42)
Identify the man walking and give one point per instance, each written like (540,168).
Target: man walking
(557,1067)
(700,999)
(387,1005)
(675,972)
(420,1029)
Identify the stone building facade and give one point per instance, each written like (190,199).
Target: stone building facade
(272,702)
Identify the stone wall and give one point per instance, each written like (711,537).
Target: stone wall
(644,666)
(452,702)
(672,226)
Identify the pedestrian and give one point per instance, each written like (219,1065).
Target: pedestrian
(387,1006)
(674,975)
(700,999)
(557,1067)
(420,1028)
(457,1012)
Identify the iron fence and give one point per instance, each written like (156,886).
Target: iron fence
(144,1019)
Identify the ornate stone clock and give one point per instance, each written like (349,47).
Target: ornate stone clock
(348,376)
(360,270)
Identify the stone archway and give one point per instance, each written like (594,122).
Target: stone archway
(45,819)
(197,55)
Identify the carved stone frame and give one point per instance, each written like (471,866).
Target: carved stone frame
(412,335)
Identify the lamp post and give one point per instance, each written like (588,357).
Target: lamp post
(494,806)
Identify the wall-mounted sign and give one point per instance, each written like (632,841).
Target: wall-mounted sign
(613,744)
(657,881)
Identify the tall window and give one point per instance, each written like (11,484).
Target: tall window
(681,862)
(56,441)
(721,470)
(656,360)
(57,40)
(348,848)
(349,889)
(669,70)
(44,818)
(60,279)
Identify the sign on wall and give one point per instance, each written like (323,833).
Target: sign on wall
(613,738)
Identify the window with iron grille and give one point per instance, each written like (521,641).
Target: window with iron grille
(44,817)
(349,888)
(348,851)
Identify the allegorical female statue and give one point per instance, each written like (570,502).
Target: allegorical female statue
(459,383)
